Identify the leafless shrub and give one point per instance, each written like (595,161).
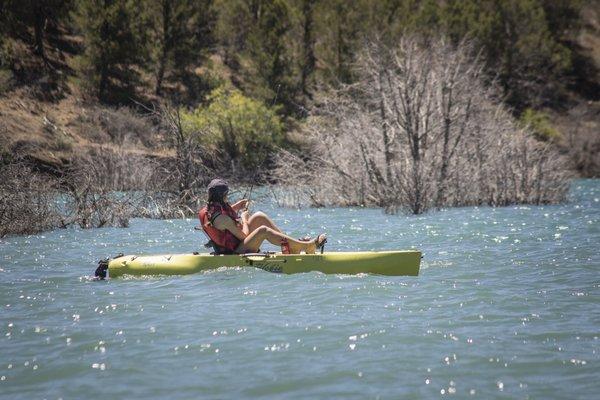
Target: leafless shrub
(27,200)
(582,141)
(420,129)
(106,188)
(120,126)
(61,139)
(164,205)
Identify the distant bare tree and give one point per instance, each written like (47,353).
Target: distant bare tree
(420,129)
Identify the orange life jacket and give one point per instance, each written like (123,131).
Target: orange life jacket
(225,241)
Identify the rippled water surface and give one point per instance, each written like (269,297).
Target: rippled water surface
(507,305)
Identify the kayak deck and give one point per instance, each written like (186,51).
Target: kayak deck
(371,262)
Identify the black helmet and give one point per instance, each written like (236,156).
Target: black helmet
(217,188)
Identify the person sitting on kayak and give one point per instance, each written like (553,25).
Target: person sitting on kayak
(232,234)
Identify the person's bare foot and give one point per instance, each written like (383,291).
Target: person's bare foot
(313,245)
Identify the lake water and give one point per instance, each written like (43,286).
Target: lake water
(507,305)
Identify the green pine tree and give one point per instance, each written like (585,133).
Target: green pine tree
(270,74)
(233,26)
(181,33)
(339,23)
(308,62)
(31,19)
(115,38)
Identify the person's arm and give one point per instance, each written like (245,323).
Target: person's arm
(223,222)
(240,205)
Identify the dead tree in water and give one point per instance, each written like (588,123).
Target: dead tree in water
(105,188)
(404,91)
(27,200)
(421,129)
(459,76)
(189,172)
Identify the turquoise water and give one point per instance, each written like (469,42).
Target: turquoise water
(506,306)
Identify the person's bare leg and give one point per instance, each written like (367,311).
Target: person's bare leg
(262,233)
(259,219)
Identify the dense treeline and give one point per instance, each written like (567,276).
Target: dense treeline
(286,48)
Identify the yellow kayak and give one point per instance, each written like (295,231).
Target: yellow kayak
(369,262)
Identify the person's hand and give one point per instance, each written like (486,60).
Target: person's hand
(245,216)
(244,204)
